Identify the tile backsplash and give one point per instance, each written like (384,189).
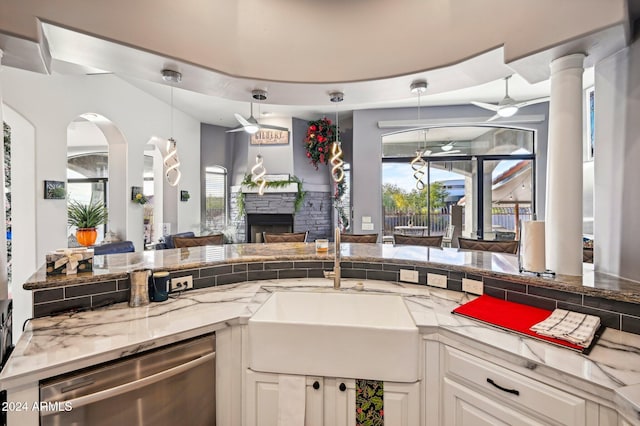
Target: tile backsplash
(614,314)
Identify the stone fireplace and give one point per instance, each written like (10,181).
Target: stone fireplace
(275,212)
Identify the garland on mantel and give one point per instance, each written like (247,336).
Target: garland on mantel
(249,183)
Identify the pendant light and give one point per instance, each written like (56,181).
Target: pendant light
(258,171)
(337,165)
(171,161)
(257,174)
(418,164)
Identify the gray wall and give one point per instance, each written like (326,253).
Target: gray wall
(616,159)
(367,153)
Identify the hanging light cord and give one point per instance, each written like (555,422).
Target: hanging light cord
(418,164)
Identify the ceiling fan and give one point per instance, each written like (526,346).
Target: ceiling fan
(428,153)
(251,125)
(508,106)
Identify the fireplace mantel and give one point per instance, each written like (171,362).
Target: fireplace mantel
(291,187)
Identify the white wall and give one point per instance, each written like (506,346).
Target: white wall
(587,197)
(277,159)
(51,102)
(23,220)
(616,159)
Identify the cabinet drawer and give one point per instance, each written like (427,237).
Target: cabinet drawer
(558,406)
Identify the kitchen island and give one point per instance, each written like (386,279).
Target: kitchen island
(608,378)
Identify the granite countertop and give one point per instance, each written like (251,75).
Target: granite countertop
(59,344)
(498,265)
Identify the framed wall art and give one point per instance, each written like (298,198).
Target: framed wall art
(270,137)
(54,190)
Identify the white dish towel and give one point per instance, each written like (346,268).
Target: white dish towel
(572,326)
(291,400)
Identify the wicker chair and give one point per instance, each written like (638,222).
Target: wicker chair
(488,245)
(428,241)
(207,240)
(286,237)
(359,238)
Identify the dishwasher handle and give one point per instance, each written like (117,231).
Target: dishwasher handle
(128,387)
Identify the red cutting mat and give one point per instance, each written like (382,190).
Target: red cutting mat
(511,316)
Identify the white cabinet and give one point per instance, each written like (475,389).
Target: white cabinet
(402,404)
(329,401)
(463,406)
(262,399)
(477,392)
(339,402)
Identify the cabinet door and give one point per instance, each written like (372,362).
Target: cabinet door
(465,407)
(261,401)
(402,403)
(314,402)
(339,402)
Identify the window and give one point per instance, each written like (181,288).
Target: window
(215,210)
(479,179)
(87,183)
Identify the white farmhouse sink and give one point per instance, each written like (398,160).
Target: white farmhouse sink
(366,336)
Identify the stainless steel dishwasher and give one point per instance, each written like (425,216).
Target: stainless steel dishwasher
(169,386)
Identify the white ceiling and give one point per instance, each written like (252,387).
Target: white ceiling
(212,97)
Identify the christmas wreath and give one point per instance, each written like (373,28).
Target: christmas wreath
(320,135)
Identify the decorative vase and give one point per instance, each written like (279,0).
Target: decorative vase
(86,236)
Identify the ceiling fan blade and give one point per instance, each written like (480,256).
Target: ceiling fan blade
(495,117)
(443,153)
(236,129)
(243,121)
(490,107)
(532,102)
(271,127)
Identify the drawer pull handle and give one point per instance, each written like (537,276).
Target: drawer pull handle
(342,387)
(513,391)
(316,385)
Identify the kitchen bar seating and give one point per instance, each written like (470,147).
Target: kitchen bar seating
(359,238)
(207,240)
(428,241)
(488,245)
(285,237)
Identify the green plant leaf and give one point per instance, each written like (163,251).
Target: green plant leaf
(86,215)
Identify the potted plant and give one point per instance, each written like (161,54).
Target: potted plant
(86,217)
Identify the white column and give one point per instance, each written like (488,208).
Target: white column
(564,167)
(4,290)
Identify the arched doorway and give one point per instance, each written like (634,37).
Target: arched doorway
(96,160)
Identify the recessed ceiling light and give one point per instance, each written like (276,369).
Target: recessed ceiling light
(267,113)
